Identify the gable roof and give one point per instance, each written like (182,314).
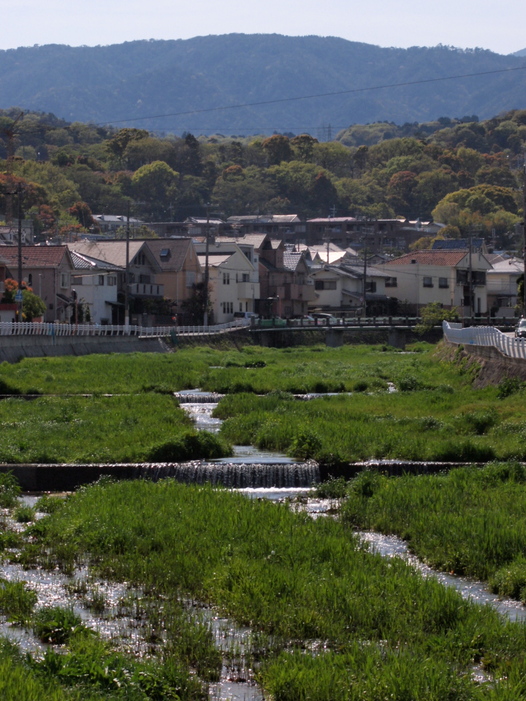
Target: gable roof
(109,251)
(81,262)
(35,256)
(430,257)
(170,254)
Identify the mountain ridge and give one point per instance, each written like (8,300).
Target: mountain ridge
(214,83)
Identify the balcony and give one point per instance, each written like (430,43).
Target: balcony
(143,289)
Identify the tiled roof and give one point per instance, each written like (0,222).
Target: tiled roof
(291,260)
(81,262)
(109,251)
(34,256)
(429,257)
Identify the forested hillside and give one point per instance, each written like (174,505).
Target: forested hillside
(465,174)
(254,77)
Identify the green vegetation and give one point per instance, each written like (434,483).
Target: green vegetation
(463,172)
(343,623)
(434,415)
(134,428)
(469,521)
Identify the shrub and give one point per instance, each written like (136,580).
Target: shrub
(305,445)
(56,625)
(189,446)
(509,386)
(510,580)
(9,490)
(335,488)
(16,600)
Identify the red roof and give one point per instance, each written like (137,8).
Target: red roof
(33,256)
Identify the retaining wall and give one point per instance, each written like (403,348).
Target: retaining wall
(14,348)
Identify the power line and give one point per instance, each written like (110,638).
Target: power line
(311,97)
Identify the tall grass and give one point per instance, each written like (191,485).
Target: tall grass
(142,428)
(296,580)
(430,424)
(471,521)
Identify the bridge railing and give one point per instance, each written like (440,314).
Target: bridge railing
(485,336)
(8,328)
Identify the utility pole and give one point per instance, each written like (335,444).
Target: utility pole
(127,273)
(207,273)
(524,237)
(20,274)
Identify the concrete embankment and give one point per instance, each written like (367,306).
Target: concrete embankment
(486,364)
(14,348)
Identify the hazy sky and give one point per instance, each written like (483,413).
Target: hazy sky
(498,26)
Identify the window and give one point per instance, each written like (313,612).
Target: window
(30,280)
(112,280)
(145,279)
(325,284)
(391,282)
(246,277)
(443,283)
(101,280)
(226,278)
(64,280)
(479,277)
(190,278)
(370,287)
(427,281)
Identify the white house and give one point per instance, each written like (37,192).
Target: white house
(502,284)
(233,279)
(341,288)
(95,284)
(454,278)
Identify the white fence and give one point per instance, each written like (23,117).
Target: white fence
(8,328)
(485,336)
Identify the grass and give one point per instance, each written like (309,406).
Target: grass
(382,630)
(425,424)
(141,428)
(470,521)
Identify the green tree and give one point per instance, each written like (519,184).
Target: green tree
(277,148)
(434,314)
(156,184)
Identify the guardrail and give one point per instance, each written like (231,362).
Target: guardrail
(8,328)
(485,336)
(354,322)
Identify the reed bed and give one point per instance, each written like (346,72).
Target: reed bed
(128,429)
(252,369)
(357,621)
(434,424)
(471,521)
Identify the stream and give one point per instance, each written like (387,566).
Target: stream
(130,633)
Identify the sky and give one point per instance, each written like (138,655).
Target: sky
(497,26)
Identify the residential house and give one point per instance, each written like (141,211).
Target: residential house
(377,235)
(47,270)
(94,282)
(233,278)
(178,270)
(111,223)
(282,226)
(454,278)
(502,284)
(340,290)
(145,292)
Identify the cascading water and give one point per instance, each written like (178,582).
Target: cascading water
(249,467)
